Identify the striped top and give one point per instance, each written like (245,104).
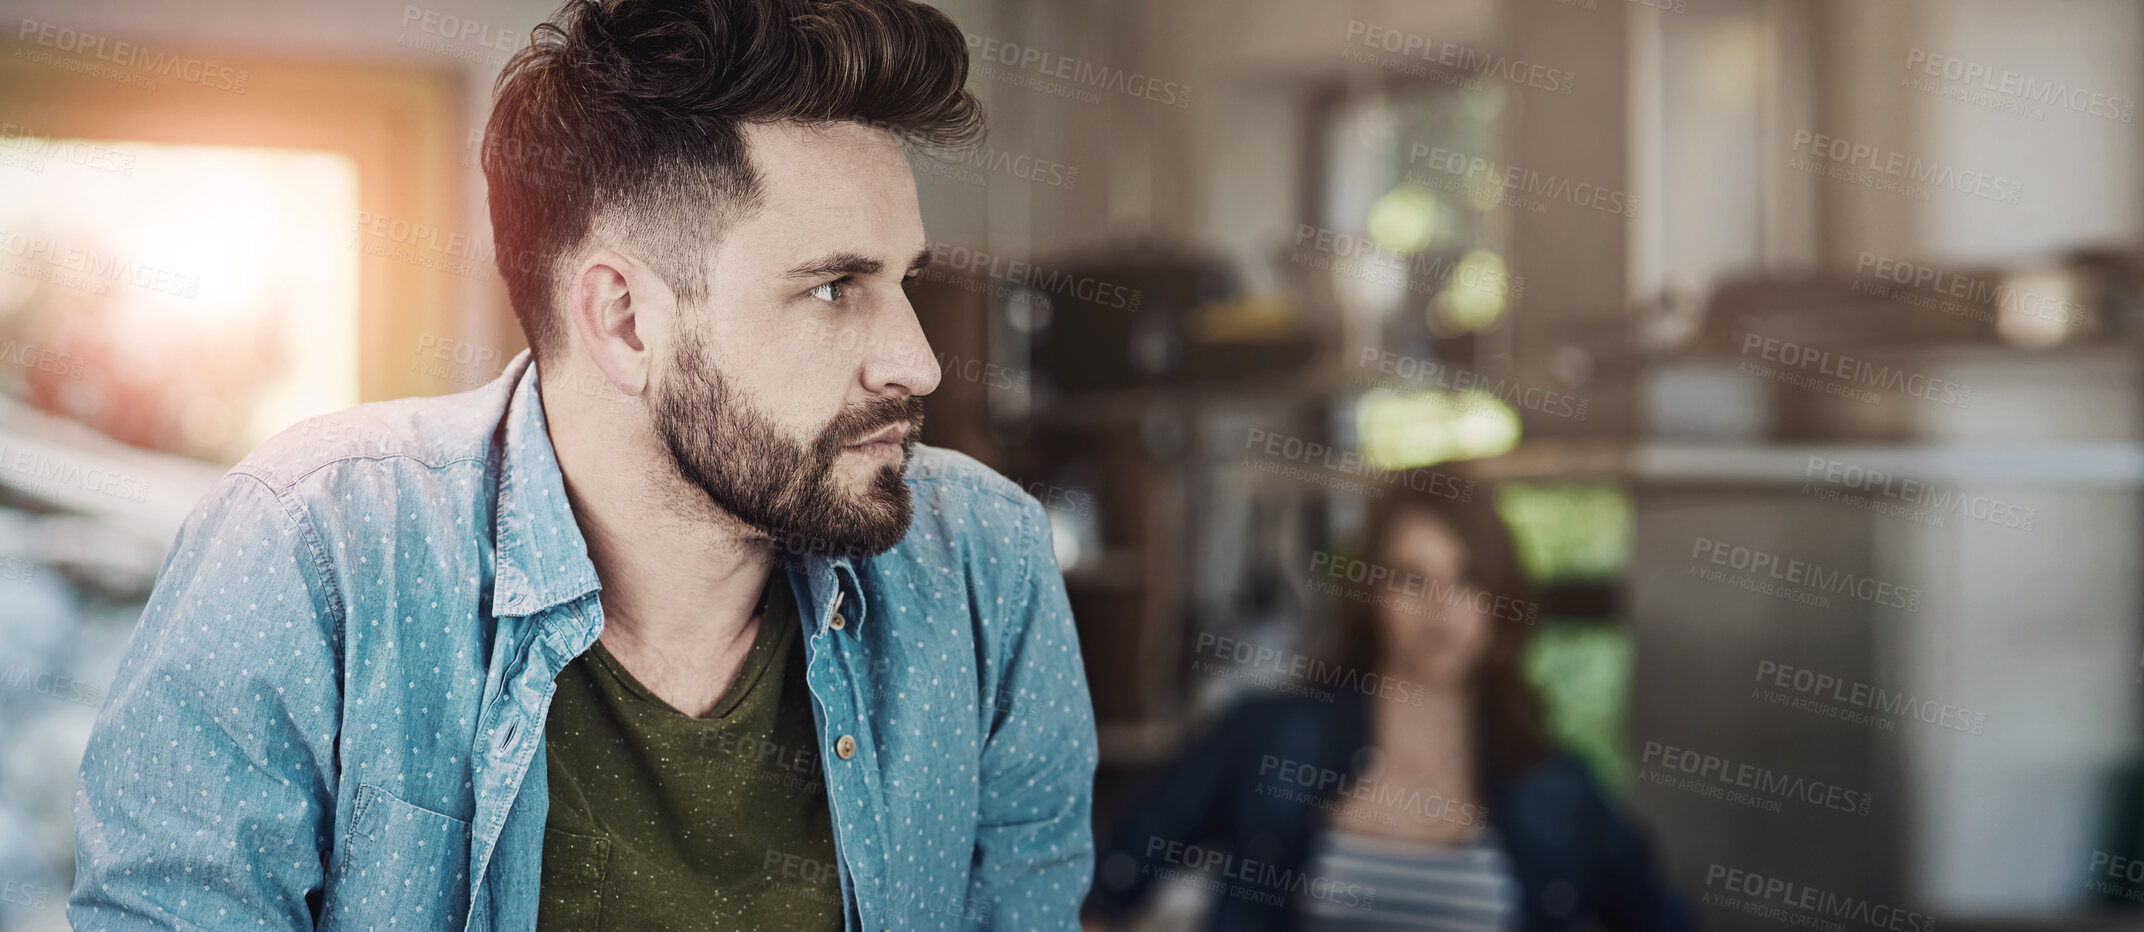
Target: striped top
(1362,883)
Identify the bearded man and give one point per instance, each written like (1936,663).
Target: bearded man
(689,632)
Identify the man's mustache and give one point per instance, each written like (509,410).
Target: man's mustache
(868,418)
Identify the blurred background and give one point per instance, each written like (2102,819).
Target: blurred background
(1682,286)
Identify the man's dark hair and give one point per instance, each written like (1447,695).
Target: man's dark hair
(625,116)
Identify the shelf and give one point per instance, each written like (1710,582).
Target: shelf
(2047,462)
(2053,462)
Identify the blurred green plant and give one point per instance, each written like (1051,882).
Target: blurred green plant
(1568,531)
(1583,673)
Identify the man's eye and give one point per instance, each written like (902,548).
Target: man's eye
(829,292)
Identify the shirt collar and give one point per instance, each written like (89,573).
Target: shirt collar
(542,558)
(827,584)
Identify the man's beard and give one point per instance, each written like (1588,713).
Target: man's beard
(776,485)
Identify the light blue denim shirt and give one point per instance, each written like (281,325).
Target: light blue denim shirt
(332,713)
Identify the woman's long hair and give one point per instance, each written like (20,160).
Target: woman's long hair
(1509,734)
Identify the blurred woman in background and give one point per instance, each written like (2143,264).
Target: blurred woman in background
(1425,796)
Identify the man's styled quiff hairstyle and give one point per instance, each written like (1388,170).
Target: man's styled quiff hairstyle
(624,117)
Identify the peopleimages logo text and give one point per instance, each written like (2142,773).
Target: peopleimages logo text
(1819,901)
(2022,86)
(1425,592)
(1992,292)
(1459,379)
(1754,777)
(1521,180)
(1859,695)
(1453,55)
(1803,573)
(1348,462)
(1905,167)
(1422,270)
(1079,71)
(1855,371)
(1425,804)
(1022,273)
(134,56)
(39,467)
(1263,881)
(1295,666)
(1934,498)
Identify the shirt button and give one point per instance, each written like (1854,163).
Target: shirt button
(845,747)
(840,622)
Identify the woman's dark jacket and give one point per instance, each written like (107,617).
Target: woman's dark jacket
(1578,861)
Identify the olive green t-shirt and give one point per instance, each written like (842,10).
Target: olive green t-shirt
(663,821)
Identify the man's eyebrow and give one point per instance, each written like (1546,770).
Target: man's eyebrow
(923,258)
(836,265)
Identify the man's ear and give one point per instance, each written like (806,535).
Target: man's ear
(619,309)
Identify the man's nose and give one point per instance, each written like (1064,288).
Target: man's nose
(903,362)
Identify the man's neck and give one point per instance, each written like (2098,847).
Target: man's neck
(680,577)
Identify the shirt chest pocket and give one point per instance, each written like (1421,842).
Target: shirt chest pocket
(399,866)
(574,867)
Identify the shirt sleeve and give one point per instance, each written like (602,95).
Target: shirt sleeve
(1034,848)
(206,796)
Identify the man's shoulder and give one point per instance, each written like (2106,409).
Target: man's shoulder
(958,497)
(429,432)
(953,477)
